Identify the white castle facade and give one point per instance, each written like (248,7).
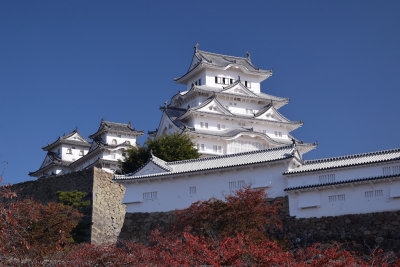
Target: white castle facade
(73,152)
(248,143)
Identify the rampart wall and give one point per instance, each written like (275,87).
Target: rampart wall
(108,221)
(104,216)
(360,232)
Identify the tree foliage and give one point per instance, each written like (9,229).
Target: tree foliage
(245,212)
(34,234)
(73,198)
(32,230)
(167,147)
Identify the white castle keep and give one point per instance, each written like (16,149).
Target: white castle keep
(248,143)
(72,152)
(223,109)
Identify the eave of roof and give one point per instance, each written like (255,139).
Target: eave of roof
(349,157)
(209,166)
(296,124)
(106,126)
(63,140)
(358,180)
(232,61)
(236,132)
(53,164)
(100,148)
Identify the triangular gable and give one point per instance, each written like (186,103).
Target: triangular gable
(167,125)
(77,137)
(270,113)
(213,106)
(47,161)
(238,89)
(149,168)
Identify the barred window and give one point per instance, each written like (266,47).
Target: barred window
(150,195)
(396,169)
(327,178)
(236,185)
(386,171)
(373,193)
(192,190)
(337,198)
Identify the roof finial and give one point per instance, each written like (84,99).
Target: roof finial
(76,129)
(102,119)
(129,124)
(248,55)
(165,103)
(196,47)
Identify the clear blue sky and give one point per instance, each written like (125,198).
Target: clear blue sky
(70,63)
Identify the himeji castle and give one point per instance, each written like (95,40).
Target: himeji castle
(245,141)
(72,152)
(223,109)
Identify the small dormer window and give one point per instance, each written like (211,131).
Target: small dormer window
(114,141)
(81,153)
(69,151)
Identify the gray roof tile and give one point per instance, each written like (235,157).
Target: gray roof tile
(217,162)
(347,161)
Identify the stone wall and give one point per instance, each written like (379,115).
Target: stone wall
(104,217)
(362,232)
(44,189)
(107,213)
(137,226)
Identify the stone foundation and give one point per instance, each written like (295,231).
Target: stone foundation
(361,232)
(105,215)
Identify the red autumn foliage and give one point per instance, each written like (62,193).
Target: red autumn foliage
(230,251)
(32,230)
(245,212)
(33,234)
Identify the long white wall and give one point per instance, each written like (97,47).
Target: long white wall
(351,198)
(376,196)
(180,192)
(343,174)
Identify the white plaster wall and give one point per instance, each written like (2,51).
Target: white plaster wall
(341,174)
(209,143)
(113,154)
(232,74)
(120,138)
(355,200)
(201,76)
(234,124)
(239,107)
(75,152)
(174,193)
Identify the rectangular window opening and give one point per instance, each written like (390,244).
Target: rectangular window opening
(150,195)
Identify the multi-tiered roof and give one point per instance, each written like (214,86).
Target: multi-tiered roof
(224,110)
(72,152)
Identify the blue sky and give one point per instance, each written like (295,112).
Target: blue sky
(70,63)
